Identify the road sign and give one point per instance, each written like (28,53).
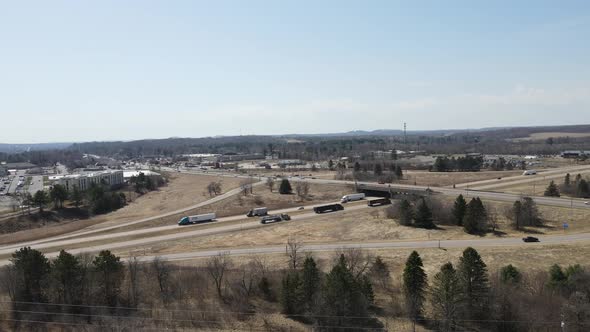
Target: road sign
(565,225)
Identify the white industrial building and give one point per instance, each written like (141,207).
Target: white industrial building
(83,181)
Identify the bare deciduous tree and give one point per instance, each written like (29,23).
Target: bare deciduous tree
(302,189)
(270,183)
(293,249)
(358,261)
(217,267)
(134,288)
(214,188)
(161,269)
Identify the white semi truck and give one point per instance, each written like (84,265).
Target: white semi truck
(352,197)
(262,211)
(197,219)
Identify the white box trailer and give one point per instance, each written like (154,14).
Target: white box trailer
(352,197)
(196,219)
(261,211)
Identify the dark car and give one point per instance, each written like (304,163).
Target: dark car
(530,239)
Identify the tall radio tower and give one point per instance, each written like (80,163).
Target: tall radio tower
(405,135)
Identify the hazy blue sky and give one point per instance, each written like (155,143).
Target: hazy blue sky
(104,70)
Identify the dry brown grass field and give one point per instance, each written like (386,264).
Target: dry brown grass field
(443,179)
(365,226)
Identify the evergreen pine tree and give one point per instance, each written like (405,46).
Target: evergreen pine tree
(567,181)
(414,286)
(285,187)
(510,275)
(367,289)
(583,189)
(291,296)
(475,219)
(551,190)
(474,284)
(446,296)
(398,172)
(459,209)
(310,283)
(343,295)
(406,213)
(423,218)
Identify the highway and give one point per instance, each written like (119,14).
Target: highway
(519,179)
(120,240)
(101,228)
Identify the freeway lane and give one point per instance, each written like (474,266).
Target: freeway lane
(183,231)
(161,238)
(103,229)
(507,197)
(508,181)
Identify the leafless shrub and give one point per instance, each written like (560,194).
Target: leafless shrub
(293,251)
(357,260)
(217,267)
(161,270)
(302,189)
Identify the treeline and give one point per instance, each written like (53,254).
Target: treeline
(354,291)
(46,158)
(461,164)
(576,187)
(315,148)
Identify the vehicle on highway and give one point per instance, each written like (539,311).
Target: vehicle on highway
(197,219)
(328,208)
(257,212)
(587,202)
(379,202)
(352,197)
(275,218)
(529,172)
(530,239)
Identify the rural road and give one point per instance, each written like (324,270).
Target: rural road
(476,243)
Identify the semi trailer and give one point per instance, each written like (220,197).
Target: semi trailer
(379,202)
(352,197)
(275,218)
(197,219)
(258,212)
(328,208)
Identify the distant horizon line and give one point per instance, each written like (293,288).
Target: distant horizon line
(350,132)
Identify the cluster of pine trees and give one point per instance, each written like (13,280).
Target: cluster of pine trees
(457,295)
(419,216)
(461,164)
(578,187)
(341,297)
